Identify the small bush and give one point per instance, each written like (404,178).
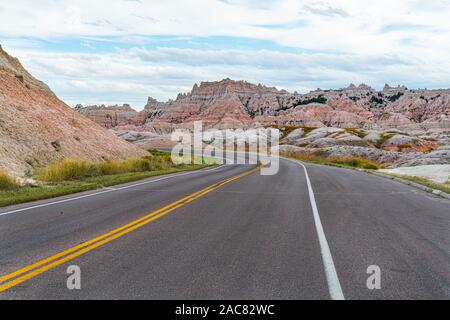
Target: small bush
(20,77)
(370,166)
(384,138)
(320,100)
(6,181)
(402,146)
(68,169)
(395,97)
(56,145)
(376,100)
(356,132)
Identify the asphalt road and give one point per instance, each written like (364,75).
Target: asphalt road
(253,237)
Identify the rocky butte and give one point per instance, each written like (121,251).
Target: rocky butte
(396,125)
(237,104)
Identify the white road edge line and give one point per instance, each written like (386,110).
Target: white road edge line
(334,286)
(106,190)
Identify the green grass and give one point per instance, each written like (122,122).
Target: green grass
(72,176)
(385,137)
(356,132)
(344,162)
(445,187)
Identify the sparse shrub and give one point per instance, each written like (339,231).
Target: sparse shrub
(385,116)
(56,145)
(354,163)
(356,132)
(384,138)
(20,77)
(308,130)
(395,97)
(402,146)
(376,100)
(32,162)
(370,166)
(6,181)
(320,99)
(427,148)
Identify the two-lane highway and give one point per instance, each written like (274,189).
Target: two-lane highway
(230,233)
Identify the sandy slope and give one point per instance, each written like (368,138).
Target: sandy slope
(36,127)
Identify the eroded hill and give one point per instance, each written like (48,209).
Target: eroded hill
(36,127)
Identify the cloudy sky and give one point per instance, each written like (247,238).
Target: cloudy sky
(122,51)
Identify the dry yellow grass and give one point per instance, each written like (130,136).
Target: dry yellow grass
(341,161)
(73,175)
(75,169)
(7,182)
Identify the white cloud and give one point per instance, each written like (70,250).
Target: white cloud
(349,25)
(129,76)
(339,41)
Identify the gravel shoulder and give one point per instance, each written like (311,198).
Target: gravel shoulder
(435,173)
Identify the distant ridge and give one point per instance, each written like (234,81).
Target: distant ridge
(233,104)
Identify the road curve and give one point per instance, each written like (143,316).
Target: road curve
(255,237)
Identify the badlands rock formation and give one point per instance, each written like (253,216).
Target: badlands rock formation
(390,147)
(112,116)
(237,104)
(392,126)
(36,127)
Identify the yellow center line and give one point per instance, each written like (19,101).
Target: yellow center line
(76,251)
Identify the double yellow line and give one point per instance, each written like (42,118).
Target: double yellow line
(17,277)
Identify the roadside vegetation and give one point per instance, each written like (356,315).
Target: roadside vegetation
(6,181)
(73,175)
(445,187)
(74,169)
(345,162)
(360,163)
